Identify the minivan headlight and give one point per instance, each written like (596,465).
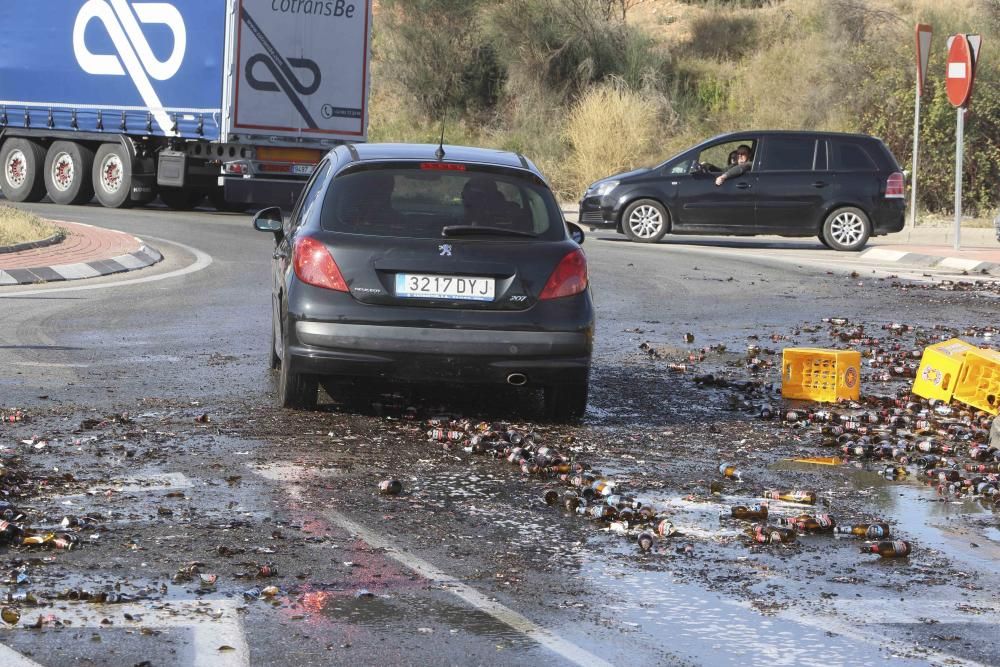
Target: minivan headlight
(602,188)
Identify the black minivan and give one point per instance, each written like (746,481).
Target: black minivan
(841,188)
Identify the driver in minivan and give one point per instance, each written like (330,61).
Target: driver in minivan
(741,167)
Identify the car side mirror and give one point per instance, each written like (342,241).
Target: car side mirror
(575,232)
(269,220)
(696,168)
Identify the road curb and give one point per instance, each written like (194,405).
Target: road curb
(139,259)
(32,245)
(930,261)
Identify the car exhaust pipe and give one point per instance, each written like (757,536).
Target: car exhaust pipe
(517,379)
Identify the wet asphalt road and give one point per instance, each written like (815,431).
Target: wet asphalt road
(468,567)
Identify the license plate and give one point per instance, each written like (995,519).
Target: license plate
(302,168)
(422,286)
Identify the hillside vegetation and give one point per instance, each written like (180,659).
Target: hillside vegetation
(590,87)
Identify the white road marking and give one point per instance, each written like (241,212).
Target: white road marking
(207,634)
(170,480)
(165,482)
(42,364)
(470,595)
(11,658)
(855,628)
(202,261)
(917,611)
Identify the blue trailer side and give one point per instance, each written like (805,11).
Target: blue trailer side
(115,67)
(127,100)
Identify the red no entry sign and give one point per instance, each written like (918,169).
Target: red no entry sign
(960,71)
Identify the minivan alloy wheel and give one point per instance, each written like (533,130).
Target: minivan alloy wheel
(645,221)
(847,228)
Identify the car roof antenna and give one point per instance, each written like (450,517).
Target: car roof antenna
(439,153)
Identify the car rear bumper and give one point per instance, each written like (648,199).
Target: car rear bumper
(453,355)
(889,217)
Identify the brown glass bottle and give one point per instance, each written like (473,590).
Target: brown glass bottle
(886,549)
(872,531)
(808,523)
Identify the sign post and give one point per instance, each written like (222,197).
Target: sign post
(924,33)
(961,72)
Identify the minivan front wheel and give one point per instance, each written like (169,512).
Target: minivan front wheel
(645,221)
(847,229)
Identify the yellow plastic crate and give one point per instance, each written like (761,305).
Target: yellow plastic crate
(817,374)
(979,382)
(939,369)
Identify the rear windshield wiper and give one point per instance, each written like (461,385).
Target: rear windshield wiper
(474,230)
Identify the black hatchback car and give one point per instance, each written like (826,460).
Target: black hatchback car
(429,263)
(841,188)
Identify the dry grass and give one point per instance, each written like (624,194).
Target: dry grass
(17,226)
(611,129)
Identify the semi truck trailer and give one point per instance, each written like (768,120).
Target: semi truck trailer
(234,100)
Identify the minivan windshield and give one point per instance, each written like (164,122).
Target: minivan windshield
(431,200)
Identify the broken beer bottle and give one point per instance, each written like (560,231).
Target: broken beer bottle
(804,497)
(749,513)
(730,470)
(768,534)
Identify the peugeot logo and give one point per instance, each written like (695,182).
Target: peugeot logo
(445,250)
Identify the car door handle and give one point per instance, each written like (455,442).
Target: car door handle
(743,186)
(819,184)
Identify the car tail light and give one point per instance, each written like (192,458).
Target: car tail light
(894,186)
(569,278)
(314,265)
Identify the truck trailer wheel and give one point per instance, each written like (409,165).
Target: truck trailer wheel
(68,168)
(113,176)
(23,162)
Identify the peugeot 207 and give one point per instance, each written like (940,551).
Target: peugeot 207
(423,263)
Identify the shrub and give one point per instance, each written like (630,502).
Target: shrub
(568,45)
(611,129)
(432,50)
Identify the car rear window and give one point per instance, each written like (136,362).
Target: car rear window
(851,156)
(420,201)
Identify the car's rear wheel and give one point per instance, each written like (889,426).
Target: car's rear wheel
(847,229)
(275,361)
(566,402)
(645,221)
(297,391)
